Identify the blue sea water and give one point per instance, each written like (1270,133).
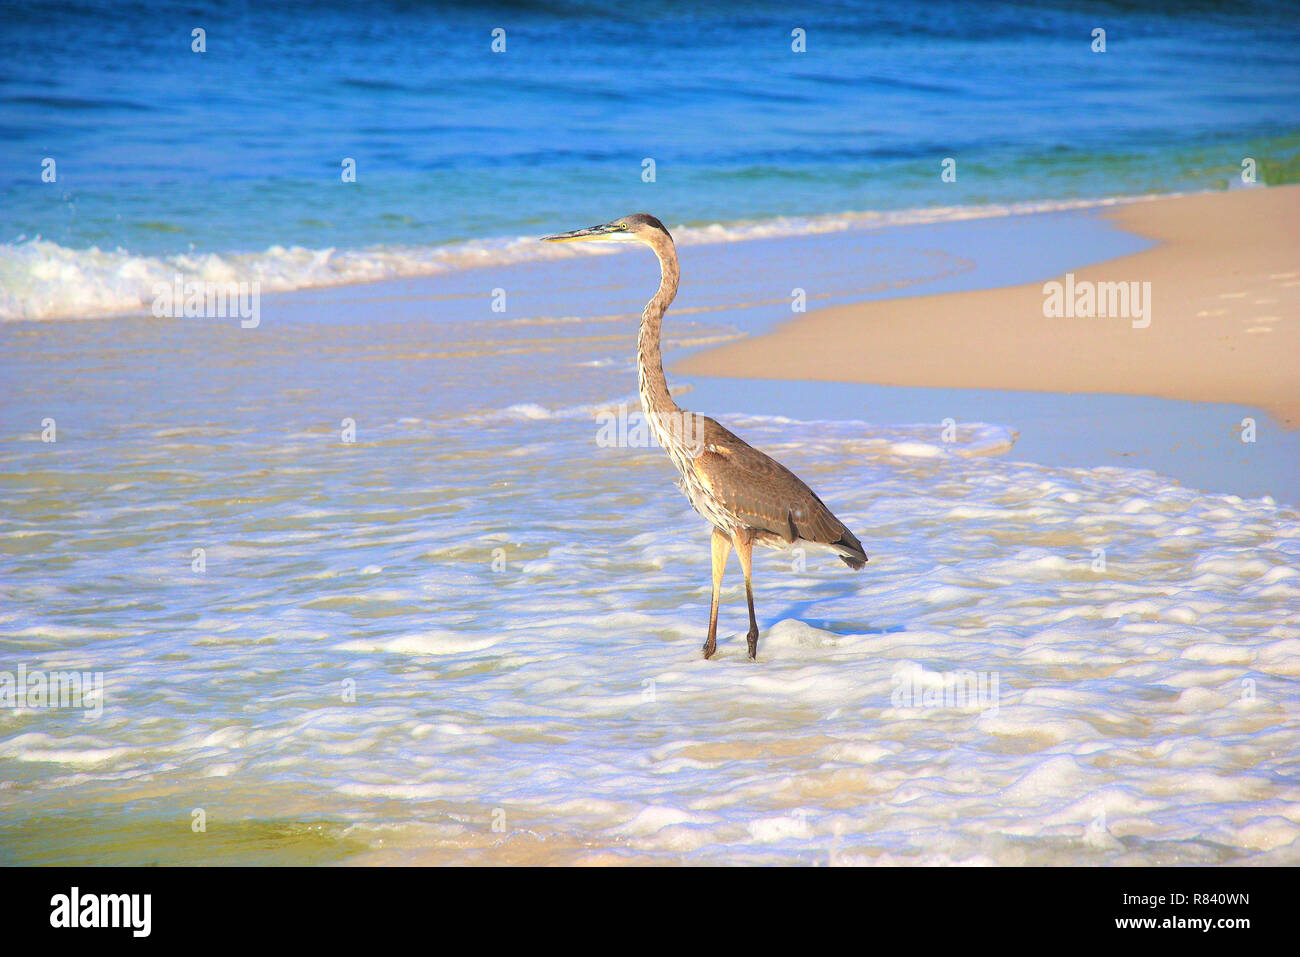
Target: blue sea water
(233,157)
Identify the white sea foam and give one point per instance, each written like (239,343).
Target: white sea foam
(923,440)
(1146,712)
(40,279)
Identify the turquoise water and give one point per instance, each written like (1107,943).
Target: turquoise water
(228,163)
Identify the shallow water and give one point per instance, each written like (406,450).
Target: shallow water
(472,634)
(521,632)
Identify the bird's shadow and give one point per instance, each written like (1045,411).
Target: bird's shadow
(838,626)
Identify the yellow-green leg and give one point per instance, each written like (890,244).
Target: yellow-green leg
(721,549)
(744,542)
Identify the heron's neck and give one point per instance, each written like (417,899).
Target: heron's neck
(655,396)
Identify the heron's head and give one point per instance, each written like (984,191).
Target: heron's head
(637,228)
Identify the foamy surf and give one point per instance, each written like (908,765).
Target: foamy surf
(622,418)
(40,279)
(1040,665)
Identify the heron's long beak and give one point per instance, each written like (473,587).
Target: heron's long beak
(579,235)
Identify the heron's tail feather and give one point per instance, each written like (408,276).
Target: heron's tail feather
(850,550)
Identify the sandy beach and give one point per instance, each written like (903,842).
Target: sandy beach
(1223,326)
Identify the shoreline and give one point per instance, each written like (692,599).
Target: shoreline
(737,293)
(1224,323)
(1187,442)
(415,262)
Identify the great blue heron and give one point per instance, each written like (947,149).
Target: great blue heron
(748,497)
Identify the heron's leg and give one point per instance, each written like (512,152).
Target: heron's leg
(721,548)
(744,542)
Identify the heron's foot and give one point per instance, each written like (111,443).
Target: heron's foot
(710,646)
(752,638)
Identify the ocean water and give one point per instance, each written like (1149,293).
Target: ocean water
(227,164)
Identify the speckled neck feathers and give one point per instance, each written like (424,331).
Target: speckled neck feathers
(655,397)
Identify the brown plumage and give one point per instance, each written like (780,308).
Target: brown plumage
(766,497)
(746,495)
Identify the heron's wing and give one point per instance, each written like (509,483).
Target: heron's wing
(766,495)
